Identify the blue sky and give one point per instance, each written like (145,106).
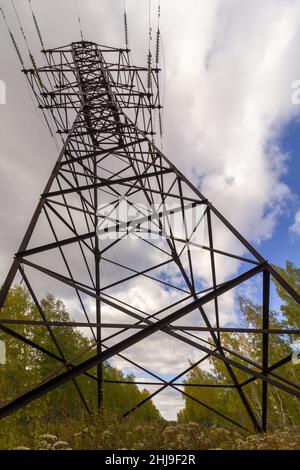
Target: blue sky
(284,245)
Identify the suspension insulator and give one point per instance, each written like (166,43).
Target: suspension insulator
(13,39)
(150,33)
(36,70)
(36,25)
(38,30)
(157,50)
(17,49)
(149,75)
(160,124)
(126,30)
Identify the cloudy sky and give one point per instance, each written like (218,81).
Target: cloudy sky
(229,120)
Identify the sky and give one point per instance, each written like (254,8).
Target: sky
(229,120)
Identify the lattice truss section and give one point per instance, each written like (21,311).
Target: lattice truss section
(136,251)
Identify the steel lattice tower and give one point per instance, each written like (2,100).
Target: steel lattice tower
(105,110)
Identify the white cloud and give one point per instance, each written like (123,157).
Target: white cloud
(230,95)
(295,227)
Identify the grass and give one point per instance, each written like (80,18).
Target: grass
(112,432)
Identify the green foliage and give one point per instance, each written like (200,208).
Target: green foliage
(26,367)
(107,431)
(283,408)
(290,308)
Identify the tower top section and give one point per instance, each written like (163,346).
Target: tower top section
(82,74)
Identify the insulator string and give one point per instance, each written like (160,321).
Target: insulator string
(150,26)
(157,49)
(26,42)
(149,56)
(20,56)
(49,125)
(149,74)
(32,58)
(36,26)
(126,27)
(157,58)
(79,20)
(36,70)
(13,39)
(21,27)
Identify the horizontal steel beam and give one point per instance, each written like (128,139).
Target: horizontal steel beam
(105,183)
(134,326)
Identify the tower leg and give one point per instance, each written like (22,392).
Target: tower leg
(265,346)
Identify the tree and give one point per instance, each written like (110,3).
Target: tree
(26,366)
(283,407)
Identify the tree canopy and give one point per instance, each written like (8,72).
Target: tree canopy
(283,409)
(26,367)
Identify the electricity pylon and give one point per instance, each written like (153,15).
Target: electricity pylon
(116,213)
